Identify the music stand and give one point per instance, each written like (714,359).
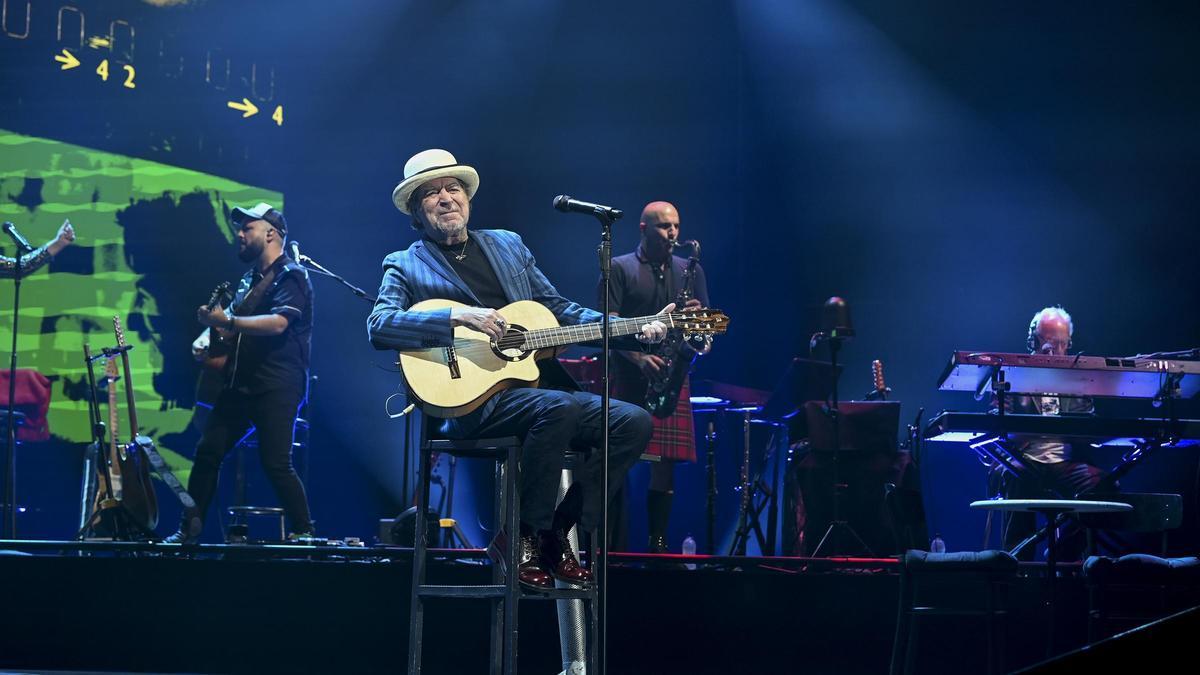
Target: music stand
(860,426)
(804,380)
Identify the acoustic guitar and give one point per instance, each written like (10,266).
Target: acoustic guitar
(216,352)
(453,381)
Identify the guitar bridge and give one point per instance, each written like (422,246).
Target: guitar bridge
(452,363)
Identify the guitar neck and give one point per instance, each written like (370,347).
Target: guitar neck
(113,417)
(588,332)
(133,420)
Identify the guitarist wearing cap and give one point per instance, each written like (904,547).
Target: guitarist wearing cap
(267,331)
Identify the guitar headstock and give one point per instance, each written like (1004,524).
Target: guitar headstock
(120,332)
(219,295)
(700,321)
(877,375)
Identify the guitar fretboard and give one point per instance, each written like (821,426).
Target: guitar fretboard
(587,332)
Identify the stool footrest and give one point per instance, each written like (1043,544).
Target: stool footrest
(490,591)
(558,594)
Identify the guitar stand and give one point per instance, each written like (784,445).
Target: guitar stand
(110,515)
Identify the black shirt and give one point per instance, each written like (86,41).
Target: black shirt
(270,362)
(476,271)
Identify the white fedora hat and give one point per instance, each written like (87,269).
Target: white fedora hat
(428,165)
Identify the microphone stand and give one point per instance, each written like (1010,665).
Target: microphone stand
(604,251)
(10,482)
(320,269)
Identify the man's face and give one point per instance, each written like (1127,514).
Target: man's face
(442,208)
(1053,336)
(252,239)
(660,227)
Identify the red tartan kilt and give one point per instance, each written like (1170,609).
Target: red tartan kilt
(674,437)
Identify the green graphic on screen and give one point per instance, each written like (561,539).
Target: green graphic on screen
(152,242)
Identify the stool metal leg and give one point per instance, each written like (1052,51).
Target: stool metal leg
(417,620)
(498,604)
(512,511)
(572,625)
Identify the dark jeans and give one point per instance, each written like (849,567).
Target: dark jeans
(1062,480)
(273,414)
(549,421)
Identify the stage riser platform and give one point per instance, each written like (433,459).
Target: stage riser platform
(255,616)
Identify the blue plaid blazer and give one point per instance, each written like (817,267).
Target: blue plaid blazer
(422,273)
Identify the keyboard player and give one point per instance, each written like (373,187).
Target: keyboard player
(1055,467)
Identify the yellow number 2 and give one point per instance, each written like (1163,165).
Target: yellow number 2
(129,80)
(102,70)
(278,116)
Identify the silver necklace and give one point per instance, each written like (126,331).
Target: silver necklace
(461,255)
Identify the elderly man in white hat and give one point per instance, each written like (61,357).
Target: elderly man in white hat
(486,270)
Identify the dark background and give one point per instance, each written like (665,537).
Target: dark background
(949,168)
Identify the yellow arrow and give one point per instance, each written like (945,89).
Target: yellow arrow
(245,106)
(67,59)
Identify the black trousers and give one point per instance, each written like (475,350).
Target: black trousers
(549,421)
(273,414)
(1062,480)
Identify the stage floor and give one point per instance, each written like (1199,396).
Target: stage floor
(252,609)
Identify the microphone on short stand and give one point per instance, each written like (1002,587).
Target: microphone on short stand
(294,247)
(567,204)
(22,243)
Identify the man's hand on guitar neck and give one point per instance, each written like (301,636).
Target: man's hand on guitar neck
(655,331)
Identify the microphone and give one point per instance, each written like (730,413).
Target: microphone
(22,243)
(566,204)
(1047,348)
(294,247)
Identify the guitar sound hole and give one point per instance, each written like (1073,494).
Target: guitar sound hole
(509,349)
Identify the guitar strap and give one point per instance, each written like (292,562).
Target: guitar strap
(249,304)
(248,307)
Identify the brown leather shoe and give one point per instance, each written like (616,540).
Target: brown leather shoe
(560,560)
(530,571)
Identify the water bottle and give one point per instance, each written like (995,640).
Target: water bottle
(937,545)
(689,548)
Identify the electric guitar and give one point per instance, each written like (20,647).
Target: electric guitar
(453,381)
(137,490)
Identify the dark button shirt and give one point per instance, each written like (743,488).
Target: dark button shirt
(639,287)
(270,362)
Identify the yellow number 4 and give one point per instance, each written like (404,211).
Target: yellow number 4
(102,70)
(278,116)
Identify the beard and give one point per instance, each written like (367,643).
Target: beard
(250,253)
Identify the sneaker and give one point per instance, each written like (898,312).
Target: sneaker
(182,538)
